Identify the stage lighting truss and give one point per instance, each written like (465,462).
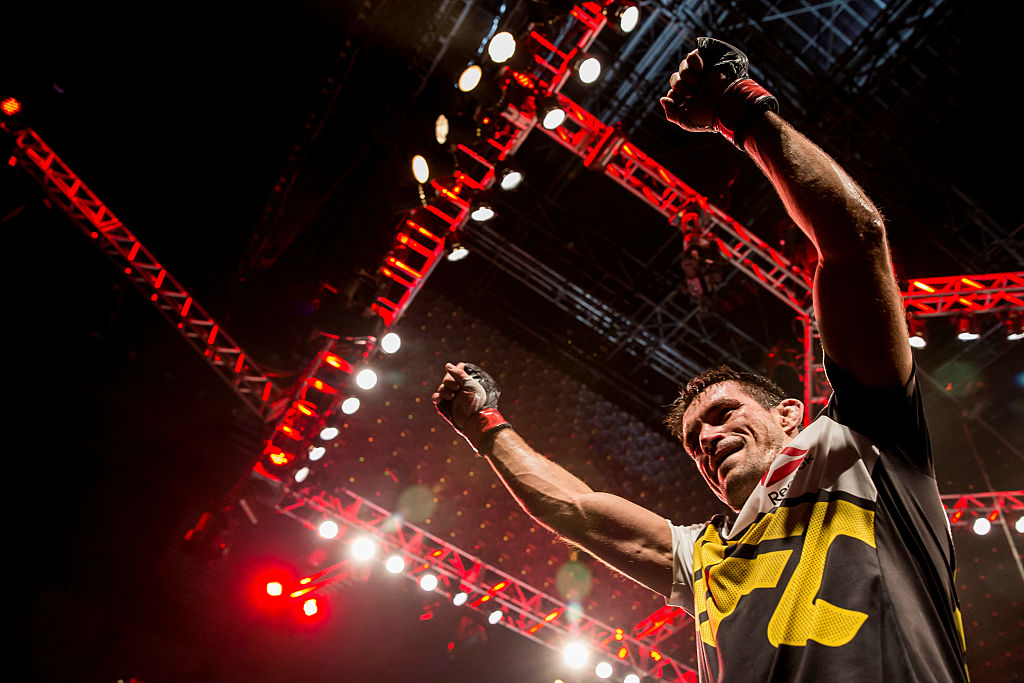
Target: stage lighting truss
(66,190)
(996,507)
(472,584)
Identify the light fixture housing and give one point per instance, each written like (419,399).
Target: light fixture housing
(967,328)
(458,252)
(501,47)
(482,212)
(588,69)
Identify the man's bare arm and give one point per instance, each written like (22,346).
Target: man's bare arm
(856,299)
(857,303)
(630,539)
(627,537)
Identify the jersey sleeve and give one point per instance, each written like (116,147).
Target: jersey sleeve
(892,418)
(683,539)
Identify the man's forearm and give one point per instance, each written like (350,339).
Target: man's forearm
(826,204)
(545,490)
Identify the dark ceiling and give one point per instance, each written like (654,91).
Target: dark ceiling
(184,120)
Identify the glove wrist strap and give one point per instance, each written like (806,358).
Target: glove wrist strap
(481,428)
(742,104)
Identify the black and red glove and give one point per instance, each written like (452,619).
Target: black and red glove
(713,91)
(468,399)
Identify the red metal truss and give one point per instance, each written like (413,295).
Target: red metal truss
(964,294)
(199,329)
(528,611)
(963,508)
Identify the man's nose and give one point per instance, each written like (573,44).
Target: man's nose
(709,437)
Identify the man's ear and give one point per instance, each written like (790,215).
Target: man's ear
(791,415)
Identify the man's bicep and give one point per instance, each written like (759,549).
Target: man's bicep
(860,317)
(631,539)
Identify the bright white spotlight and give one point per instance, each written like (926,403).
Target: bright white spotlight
(328,433)
(390,342)
(918,342)
(309,607)
(301,474)
(350,405)
(575,654)
(328,529)
(631,678)
(495,616)
(629,18)
(511,179)
(470,78)
(589,69)
(428,582)
(603,670)
(482,213)
(553,118)
(366,379)
(316,452)
(395,564)
(982,526)
(1019,525)
(458,252)
(460,598)
(441,128)
(363,548)
(502,47)
(420,169)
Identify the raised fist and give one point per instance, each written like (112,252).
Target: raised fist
(711,91)
(468,399)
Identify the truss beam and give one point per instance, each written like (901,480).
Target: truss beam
(143,270)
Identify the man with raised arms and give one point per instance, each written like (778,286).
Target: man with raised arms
(838,563)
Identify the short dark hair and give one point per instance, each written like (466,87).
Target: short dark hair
(766,392)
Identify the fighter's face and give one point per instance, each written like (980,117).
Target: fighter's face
(733,439)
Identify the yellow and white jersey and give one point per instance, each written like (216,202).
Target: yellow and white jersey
(839,567)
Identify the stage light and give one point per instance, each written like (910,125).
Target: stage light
(441,128)
(575,654)
(428,582)
(470,78)
(1019,525)
(309,607)
(363,548)
(918,339)
(981,526)
(395,564)
(301,475)
(502,47)
(625,16)
(603,670)
(317,452)
(511,178)
(550,112)
(588,69)
(366,379)
(495,616)
(10,106)
(350,405)
(967,329)
(420,169)
(631,678)
(329,433)
(274,588)
(328,529)
(1014,327)
(458,252)
(482,212)
(460,598)
(390,343)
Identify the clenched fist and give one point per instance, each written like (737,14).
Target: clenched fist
(468,399)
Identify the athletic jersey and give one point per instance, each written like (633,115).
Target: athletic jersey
(839,567)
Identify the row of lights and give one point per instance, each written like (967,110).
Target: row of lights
(623,15)
(576,654)
(982,525)
(968,328)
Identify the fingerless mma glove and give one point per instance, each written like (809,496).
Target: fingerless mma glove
(481,426)
(743,101)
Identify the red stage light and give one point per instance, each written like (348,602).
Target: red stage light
(956,516)
(993,516)
(10,106)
